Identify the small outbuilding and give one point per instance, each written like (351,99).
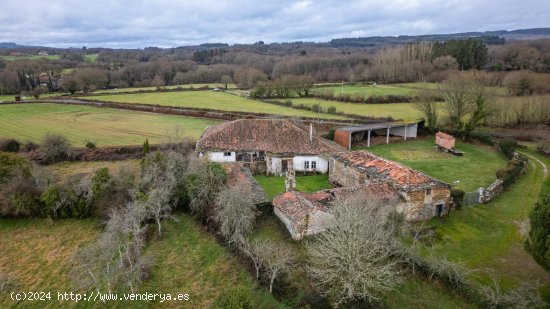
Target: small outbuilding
(367,134)
(424,197)
(306,214)
(444,140)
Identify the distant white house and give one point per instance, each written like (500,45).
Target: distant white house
(43,53)
(271,146)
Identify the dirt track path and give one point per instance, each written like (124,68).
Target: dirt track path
(544,167)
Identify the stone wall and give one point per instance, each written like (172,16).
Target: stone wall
(488,194)
(419,208)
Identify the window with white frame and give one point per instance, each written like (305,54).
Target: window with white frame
(313,164)
(306,165)
(227,154)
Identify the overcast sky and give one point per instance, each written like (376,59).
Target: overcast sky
(165,23)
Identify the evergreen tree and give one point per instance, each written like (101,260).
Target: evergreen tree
(538,243)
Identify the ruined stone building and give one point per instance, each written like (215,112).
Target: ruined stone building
(423,197)
(271,146)
(306,214)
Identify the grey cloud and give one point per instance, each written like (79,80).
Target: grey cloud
(143,23)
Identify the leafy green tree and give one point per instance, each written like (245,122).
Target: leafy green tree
(538,242)
(146,149)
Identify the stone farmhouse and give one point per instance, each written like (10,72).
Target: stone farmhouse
(424,197)
(305,214)
(270,146)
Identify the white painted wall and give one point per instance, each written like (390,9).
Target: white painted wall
(298,164)
(274,165)
(219,157)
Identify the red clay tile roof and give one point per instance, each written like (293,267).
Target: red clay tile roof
(239,176)
(275,136)
(296,205)
(379,191)
(401,175)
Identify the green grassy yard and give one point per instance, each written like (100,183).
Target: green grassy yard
(106,127)
(209,100)
(491,236)
(274,185)
(475,169)
(404,111)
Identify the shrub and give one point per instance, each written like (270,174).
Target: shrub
(457,196)
(511,172)
(287,103)
(234,299)
(544,147)
(538,242)
(90,145)
(70,200)
(30,146)
(331,110)
(330,134)
(507,147)
(12,165)
(54,147)
(482,137)
(19,199)
(10,145)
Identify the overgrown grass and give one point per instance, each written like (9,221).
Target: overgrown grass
(209,100)
(475,169)
(274,185)
(38,253)
(106,127)
(404,111)
(189,260)
(64,170)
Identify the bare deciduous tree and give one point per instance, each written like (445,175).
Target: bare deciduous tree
(351,260)
(427,105)
(252,249)
(235,213)
(276,258)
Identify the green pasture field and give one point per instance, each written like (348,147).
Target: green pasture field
(33,57)
(90,58)
(274,185)
(209,100)
(186,86)
(364,90)
(402,89)
(475,169)
(403,111)
(104,126)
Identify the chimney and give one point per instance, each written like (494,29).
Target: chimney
(310,132)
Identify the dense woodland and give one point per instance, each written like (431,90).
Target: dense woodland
(248,65)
